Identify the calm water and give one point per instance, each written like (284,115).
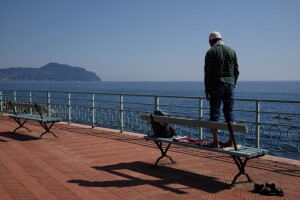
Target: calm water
(279,90)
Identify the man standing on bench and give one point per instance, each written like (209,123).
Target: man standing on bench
(221,72)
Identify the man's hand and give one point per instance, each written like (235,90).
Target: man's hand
(207,96)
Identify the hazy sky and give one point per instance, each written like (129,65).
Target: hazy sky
(151,40)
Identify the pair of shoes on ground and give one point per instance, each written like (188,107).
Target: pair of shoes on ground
(268,189)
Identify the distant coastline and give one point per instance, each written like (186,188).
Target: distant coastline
(49,72)
(122,81)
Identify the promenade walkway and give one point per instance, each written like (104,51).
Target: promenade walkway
(90,164)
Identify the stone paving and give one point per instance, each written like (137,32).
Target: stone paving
(91,164)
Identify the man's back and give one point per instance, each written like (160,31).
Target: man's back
(221,73)
(220,66)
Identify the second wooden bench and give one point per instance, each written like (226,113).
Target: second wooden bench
(240,154)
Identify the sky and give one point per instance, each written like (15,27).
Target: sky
(151,40)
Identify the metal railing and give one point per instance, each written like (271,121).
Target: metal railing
(272,124)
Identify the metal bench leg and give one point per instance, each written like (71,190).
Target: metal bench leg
(241,166)
(21,124)
(163,152)
(47,128)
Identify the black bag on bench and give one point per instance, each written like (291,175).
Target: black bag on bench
(161,130)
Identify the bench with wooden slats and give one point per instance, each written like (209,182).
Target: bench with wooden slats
(240,154)
(29,111)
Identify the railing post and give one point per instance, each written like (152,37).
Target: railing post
(49,103)
(69,108)
(121,113)
(1,102)
(156,102)
(257,121)
(15,95)
(201,117)
(30,97)
(93,110)
(30,100)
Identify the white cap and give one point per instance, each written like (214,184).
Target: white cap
(214,35)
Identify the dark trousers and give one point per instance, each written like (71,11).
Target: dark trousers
(222,93)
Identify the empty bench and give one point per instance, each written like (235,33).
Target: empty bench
(22,112)
(240,154)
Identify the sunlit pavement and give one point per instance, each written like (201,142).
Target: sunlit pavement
(90,164)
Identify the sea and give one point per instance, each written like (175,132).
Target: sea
(245,90)
(271,90)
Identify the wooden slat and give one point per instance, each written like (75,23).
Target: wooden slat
(19,108)
(35,118)
(23,105)
(246,152)
(198,123)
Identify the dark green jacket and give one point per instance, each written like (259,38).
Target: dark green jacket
(220,66)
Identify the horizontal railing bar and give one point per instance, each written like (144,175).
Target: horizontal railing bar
(149,95)
(132,103)
(279,101)
(248,111)
(285,125)
(284,113)
(176,106)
